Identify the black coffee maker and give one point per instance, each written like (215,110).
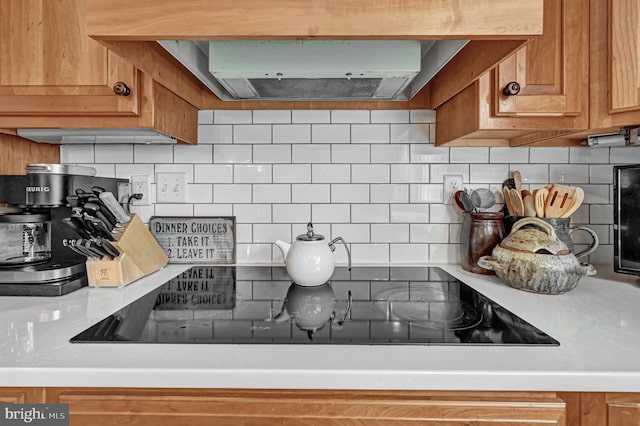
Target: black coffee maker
(33,259)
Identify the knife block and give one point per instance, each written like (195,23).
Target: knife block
(140,255)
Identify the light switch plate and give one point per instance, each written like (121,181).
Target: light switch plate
(171,187)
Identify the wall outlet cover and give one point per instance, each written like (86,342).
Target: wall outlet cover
(452,183)
(141,184)
(171,187)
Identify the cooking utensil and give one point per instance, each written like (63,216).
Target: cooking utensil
(110,202)
(507,200)
(516,202)
(517,180)
(577,202)
(465,199)
(559,200)
(483,198)
(529,205)
(539,199)
(459,203)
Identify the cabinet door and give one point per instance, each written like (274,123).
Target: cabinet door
(552,70)
(102,407)
(21,395)
(610,409)
(49,65)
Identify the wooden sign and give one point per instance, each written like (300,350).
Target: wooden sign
(196,239)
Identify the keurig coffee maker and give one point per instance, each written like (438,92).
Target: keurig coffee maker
(34,260)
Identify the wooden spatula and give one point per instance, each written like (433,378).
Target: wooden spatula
(507,200)
(539,198)
(516,202)
(559,200)
(578,198)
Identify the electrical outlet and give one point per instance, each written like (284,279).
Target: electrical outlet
(140,185)
(452,183)
(171,188)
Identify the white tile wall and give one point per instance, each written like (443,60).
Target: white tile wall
(373,177)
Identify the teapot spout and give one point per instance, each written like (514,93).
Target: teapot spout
(284,248)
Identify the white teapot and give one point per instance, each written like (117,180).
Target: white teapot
(309,260)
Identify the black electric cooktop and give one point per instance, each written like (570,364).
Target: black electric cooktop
(364,306)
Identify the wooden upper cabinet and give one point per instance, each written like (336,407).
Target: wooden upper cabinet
(615,63)
(553,99)
(49,64)
(550,69)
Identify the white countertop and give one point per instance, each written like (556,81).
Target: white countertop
(597,324)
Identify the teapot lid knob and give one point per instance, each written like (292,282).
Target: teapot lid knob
(310,235)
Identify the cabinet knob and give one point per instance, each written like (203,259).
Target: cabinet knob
(121,89)
(511,89)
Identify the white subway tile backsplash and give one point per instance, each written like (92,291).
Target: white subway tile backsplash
(481,173)
(422,116)
(291,213)
(252,133)
(102,170)
(409,253)
(350,153)
(232,154)
(311,116)
(330,133)
(409,213)
(508,155)
(291,173)
(588,155)
(410,173)
(212,173)
(310,193)
(213,209)
(74,154)
(230,193)
(331,213)
(232,117)
(205,116)
(427,153)
(349,193)
(349,116)
(197,193)
(469,155)
(331,173)
(390,116)
(370,173)
(390,153)
(193,154)
(426,193)
(271,116)
(389,233)
(252,213)
(410,133)
(113,153)
(311,153)
(373,177)
(369,133)
(390,193)
(292,133)
(272,153)
(569,173)
(370,213)
(153,153)
(252,173)
(276,193)
(215,133)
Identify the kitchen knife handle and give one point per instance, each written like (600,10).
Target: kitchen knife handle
(110,202)
(80,230)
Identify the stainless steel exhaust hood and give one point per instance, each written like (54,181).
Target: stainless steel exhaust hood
(314,69)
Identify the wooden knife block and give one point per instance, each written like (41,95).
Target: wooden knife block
(140,255)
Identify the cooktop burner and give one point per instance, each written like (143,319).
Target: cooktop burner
(364,306)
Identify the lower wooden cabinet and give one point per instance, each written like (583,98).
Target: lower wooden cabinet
(190,407)
(231,407)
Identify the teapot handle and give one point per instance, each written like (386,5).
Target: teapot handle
(546,227)
(333,248)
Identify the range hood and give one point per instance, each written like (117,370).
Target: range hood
(314,69)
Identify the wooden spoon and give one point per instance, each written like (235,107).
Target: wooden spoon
(507,200)
(517,178)
(529,205)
